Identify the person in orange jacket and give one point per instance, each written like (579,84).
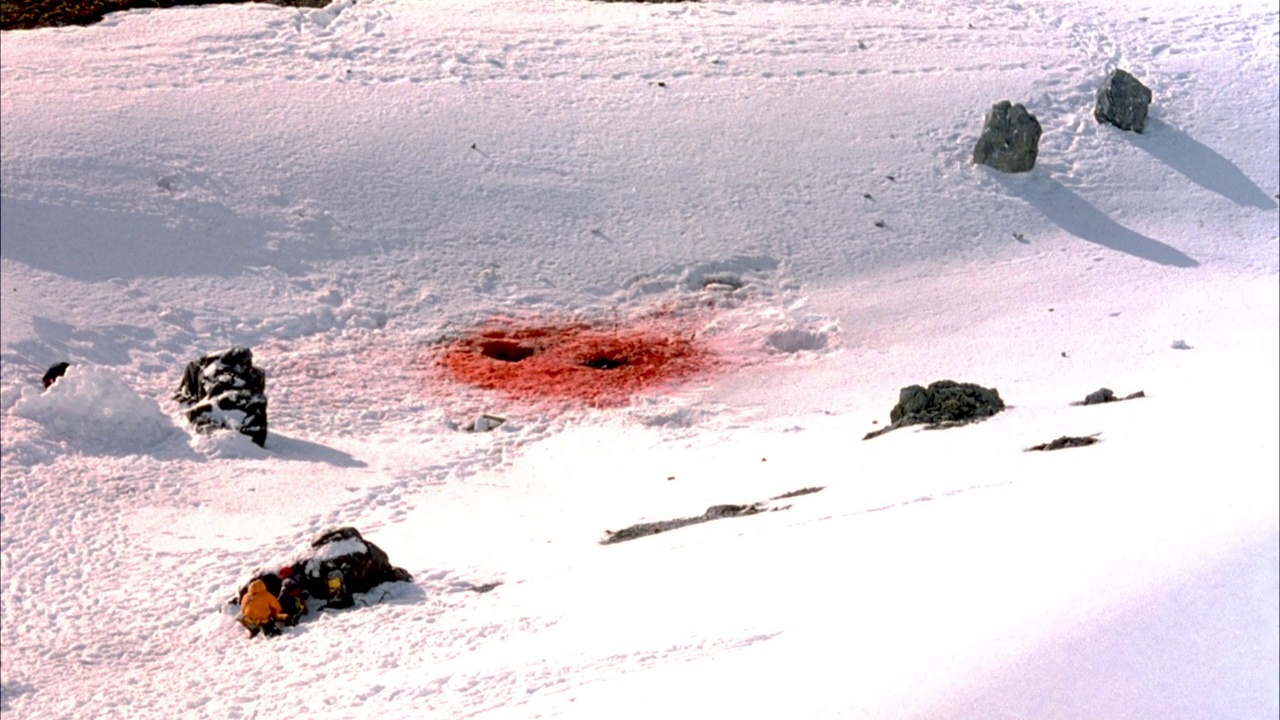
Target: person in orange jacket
(259,610)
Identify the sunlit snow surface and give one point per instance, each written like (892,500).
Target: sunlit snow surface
(786,186)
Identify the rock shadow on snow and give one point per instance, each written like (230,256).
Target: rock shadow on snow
(1200,164)
(1080,218)
(284,447)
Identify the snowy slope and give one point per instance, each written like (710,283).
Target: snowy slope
(788,185)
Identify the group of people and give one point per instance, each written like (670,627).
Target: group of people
(273,599)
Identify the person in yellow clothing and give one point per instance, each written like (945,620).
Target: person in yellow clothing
(259,610)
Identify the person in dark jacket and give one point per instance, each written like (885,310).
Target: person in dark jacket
(292,596)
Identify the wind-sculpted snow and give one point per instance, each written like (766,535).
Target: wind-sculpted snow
(93,409)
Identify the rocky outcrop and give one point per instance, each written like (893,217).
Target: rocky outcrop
(225,390)
(945,403)
(1010,139)
(363,565)
(1122,101)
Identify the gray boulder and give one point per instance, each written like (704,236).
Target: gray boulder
(1122,101)
(1010,139)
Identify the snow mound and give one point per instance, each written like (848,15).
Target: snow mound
(93,408)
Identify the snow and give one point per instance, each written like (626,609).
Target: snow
(350,191)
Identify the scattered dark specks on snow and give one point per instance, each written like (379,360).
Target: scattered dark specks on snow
(1066,441)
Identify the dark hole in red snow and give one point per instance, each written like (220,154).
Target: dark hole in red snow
(563,361)
(604,362)
(505,350)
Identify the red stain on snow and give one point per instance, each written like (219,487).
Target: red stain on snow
(575,361)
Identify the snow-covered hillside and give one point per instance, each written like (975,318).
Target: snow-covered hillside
(775,198)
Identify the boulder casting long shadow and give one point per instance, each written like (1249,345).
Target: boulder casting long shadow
(1200,164)
(1074,214)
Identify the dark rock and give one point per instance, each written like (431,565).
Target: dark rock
(798,493)
(363,565)
(1010,139)
(1099,396)
(54,372)
(225,390)
(1066,441)
(715,512)
(943,404)
(1122,101)
(1104,395)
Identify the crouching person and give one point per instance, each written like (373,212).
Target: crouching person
(292,597)
(260,610)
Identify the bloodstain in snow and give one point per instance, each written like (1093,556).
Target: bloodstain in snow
(575,361)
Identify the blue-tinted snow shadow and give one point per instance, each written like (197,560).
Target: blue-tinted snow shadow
(94,244)
(1075,215)
(1202,646)
(108,345)
(284,447)
(11,690)
(1200,163)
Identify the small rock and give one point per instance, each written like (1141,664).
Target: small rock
(1066,441)
(1180,345)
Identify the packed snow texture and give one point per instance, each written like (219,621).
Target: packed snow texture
(352,191)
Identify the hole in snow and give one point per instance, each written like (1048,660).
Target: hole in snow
(506,350)
(547,360)
(790,341)
(605,362)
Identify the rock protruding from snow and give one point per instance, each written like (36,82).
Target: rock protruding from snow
(1010,139)
(945,403)
(1122,101)
(715,512)
(1066,441)
(225,390)
(1105,395)
(54,372)
(363,565)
